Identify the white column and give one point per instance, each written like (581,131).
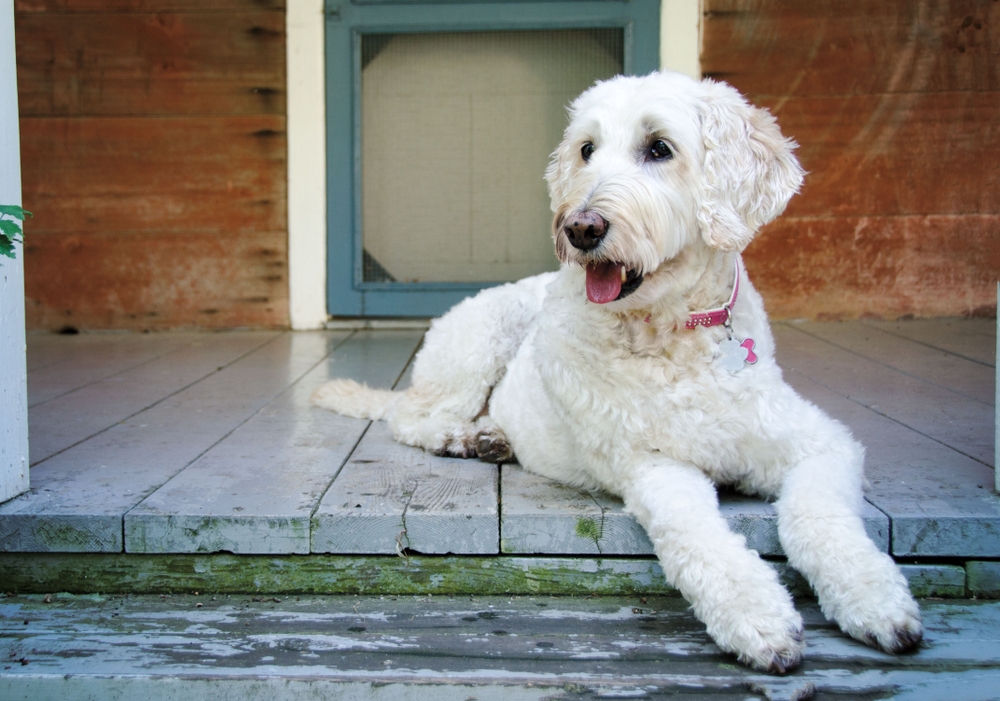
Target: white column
(304,33)
(680,36)
(13,375)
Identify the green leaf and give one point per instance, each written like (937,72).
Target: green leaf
(6,247)
(14,211)
(10,228)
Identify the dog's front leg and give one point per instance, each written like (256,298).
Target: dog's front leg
(824,538)
(735,593)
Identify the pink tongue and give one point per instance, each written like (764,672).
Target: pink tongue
(604,282)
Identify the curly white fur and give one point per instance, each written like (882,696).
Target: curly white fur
(622,397)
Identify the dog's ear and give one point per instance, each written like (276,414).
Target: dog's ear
(750,169)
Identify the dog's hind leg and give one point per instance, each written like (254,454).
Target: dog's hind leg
(732,591)
(465,354)
(822,533)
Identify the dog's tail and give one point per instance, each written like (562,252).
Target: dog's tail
(350,398)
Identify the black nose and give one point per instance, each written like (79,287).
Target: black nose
(585,230)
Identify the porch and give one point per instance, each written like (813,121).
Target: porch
(158,458)
(192,516)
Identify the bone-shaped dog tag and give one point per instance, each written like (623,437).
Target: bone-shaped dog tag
(734,354)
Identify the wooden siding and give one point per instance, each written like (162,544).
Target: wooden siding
(894,104)
(153,150)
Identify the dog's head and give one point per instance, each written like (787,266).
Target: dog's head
(653,166)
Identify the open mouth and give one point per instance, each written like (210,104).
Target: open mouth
(609,282)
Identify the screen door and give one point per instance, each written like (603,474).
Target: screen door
(456,132)
(441,119)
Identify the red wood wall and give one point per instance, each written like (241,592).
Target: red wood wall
(896,106)
(153,157)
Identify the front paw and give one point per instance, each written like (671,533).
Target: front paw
(879,611)
(762,628)
(773,646)
(890,623)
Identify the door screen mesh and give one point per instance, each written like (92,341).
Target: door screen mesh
(456,132)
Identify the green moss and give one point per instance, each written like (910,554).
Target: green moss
(326,574)
(588,528)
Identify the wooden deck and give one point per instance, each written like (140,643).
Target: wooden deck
(193,522)
(155,455)
(456,649)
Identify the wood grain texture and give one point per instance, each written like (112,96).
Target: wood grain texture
(938,500)
(90,487)
(254,491)
(146,64)
(141,175)
(119,6)
(494,648)
(153,138)
(840,268)
(892,104)
(60,363)
(893,348)
(952,419)
(157,282)
(391,498)
(973,339)
(77,415)
(863,47)
(145,225)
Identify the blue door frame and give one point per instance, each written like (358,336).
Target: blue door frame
(346,22)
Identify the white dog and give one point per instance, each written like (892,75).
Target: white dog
(645,367)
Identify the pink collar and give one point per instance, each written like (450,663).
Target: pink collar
(722,315)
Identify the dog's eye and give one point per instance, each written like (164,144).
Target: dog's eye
(587,151)
(659,150)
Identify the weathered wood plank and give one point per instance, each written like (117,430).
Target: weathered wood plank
(943,581)
(521,649)
(939,501)
(80,496)
(106,6)
(255,491)
(126,174)
(89,573)
(974,339)
(391,498)
(939,367)
(63,363)
(848,267)
(963,424)
(161,281)
(785,47)
(541,516)
(185,222)
(159,62)
(45,349)
(916,153)
(78,415)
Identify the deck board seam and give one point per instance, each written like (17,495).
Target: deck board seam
(235,428)
(925,344)
(887,416)
(120,371)
(160,400)
(347,456)
(893,367)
